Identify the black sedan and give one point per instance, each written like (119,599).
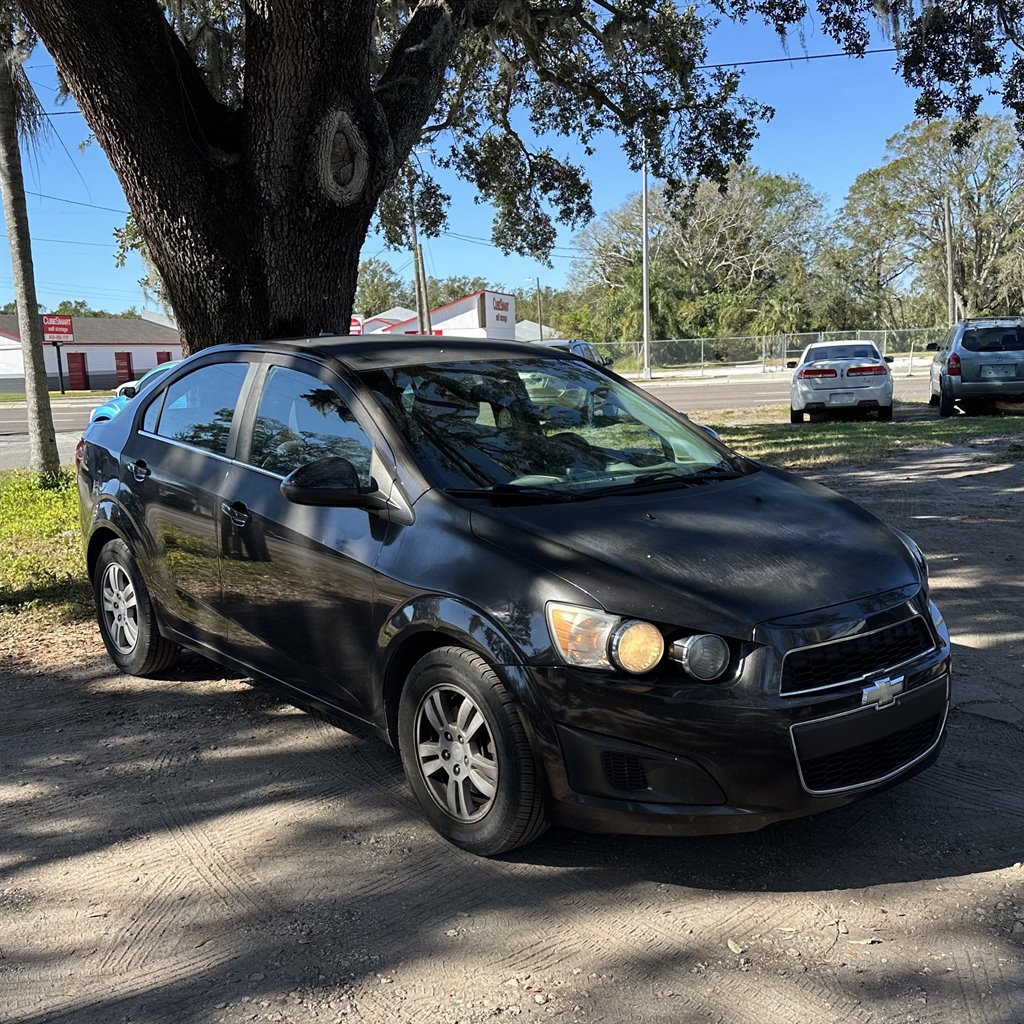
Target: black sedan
(560,600)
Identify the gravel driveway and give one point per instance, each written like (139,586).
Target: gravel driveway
(193,849)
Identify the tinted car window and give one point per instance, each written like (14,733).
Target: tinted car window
(198,409)
(841,352)
(301,419)
(993,339)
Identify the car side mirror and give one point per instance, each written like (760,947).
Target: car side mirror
(331,482)
(607,361)
(129,392)
(791,365)
(710,431)
(888,359)
(931,347)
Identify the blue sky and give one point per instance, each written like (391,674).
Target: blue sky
(831,123)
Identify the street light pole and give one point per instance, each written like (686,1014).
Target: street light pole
(540,316)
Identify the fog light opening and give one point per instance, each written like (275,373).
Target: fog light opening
(704,656)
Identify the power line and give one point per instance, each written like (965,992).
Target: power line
(75,202)
(790,60)
(70,241)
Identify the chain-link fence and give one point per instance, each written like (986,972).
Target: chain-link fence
(767,353)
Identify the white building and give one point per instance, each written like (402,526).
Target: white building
(102,352)
(483,314)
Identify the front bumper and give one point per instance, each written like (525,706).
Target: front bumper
(669,757)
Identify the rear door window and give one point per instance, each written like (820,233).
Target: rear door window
(199,408)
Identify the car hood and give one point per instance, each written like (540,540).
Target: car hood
(722,556)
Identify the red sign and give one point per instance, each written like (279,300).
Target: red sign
(57,328)
(355,326)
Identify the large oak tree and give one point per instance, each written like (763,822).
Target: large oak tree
(255,139)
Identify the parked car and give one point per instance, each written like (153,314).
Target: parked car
(978,362)
(126,392)
(833,376)
(617,625)
(578,347)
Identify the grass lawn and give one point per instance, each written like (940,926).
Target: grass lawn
(42,575)
(759,434)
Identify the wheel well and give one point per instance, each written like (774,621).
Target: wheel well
(401,665)
(96,544)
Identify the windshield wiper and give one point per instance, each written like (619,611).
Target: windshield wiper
(527,493)
(666,480)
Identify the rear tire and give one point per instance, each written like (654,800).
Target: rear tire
(796,415)
(467,756)
(946,405)
(884,413)
(125,614)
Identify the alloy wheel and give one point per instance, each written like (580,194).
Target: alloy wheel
(456,753)
(120,608)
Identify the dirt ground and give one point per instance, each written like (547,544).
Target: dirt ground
(195,850)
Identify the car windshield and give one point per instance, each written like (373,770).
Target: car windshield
(822,352)
(548,424)
(993,339)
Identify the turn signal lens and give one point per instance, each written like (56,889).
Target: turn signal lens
(704,656)
(581,634)
(637,646)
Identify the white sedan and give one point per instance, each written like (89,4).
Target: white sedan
(840,375)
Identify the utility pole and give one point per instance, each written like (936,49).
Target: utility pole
(422,308)
(947,227)
(646,276)
(540,318)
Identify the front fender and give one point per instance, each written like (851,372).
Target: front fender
(432,620)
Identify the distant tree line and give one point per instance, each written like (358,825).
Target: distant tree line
(765,256)
(73,307)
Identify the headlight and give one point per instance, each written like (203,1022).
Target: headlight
(704,656)
(593,639)
(637,646)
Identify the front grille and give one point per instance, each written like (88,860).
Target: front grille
(623,771)
(870,761)
(818,668)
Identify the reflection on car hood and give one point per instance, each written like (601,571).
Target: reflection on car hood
(722,557)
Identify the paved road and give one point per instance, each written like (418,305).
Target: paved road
(726,393)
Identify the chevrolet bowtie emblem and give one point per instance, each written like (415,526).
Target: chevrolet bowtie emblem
(882,692)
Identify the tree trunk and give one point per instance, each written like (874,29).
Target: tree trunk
(253,217)
(42,440)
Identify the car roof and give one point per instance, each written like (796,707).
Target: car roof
(841,344)
(993,321)
(368,352)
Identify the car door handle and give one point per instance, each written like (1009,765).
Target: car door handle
(236,512)
(139,470)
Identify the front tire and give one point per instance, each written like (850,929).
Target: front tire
(125,614)
(467,756)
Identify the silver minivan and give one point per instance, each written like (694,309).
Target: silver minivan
(980,361)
